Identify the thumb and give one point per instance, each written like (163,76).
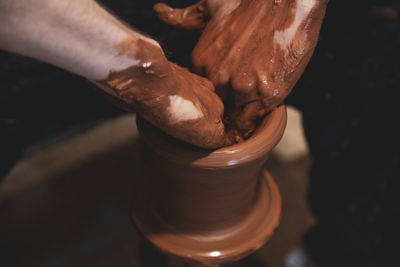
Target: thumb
(194,17)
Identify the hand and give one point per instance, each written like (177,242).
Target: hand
(170,97)
(253,51)
(175,100)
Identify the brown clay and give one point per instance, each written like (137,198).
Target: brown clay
(151,83)
(208,206)
(192,18)
(253,51)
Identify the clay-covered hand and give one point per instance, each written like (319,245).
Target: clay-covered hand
(170,97)
(253,51)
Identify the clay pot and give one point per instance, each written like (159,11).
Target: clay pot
(208,206)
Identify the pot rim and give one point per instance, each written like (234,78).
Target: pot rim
(264,139)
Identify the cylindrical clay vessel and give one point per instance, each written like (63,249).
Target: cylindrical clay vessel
(208,206)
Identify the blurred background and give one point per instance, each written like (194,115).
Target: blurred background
(67,204)
(67,156)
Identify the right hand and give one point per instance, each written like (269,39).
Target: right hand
(253,51)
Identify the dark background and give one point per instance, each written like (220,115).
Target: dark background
(348,96)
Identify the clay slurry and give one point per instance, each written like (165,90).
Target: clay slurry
(253,52)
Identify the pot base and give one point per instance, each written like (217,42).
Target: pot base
(224,246)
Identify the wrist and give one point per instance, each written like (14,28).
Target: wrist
(145,54)
(148,71)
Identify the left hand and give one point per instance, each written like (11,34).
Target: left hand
(168,96)
(253,51)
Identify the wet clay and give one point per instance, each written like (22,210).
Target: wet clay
(208,207)
(170,97)
(192,18)
(253,51)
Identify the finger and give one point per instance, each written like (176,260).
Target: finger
(244,82)
(194,17)
(249,117)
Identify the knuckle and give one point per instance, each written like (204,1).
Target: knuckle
(243,82)
(218,75)
(272,98)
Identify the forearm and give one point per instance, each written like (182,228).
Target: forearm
(81,37)
(76,35)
